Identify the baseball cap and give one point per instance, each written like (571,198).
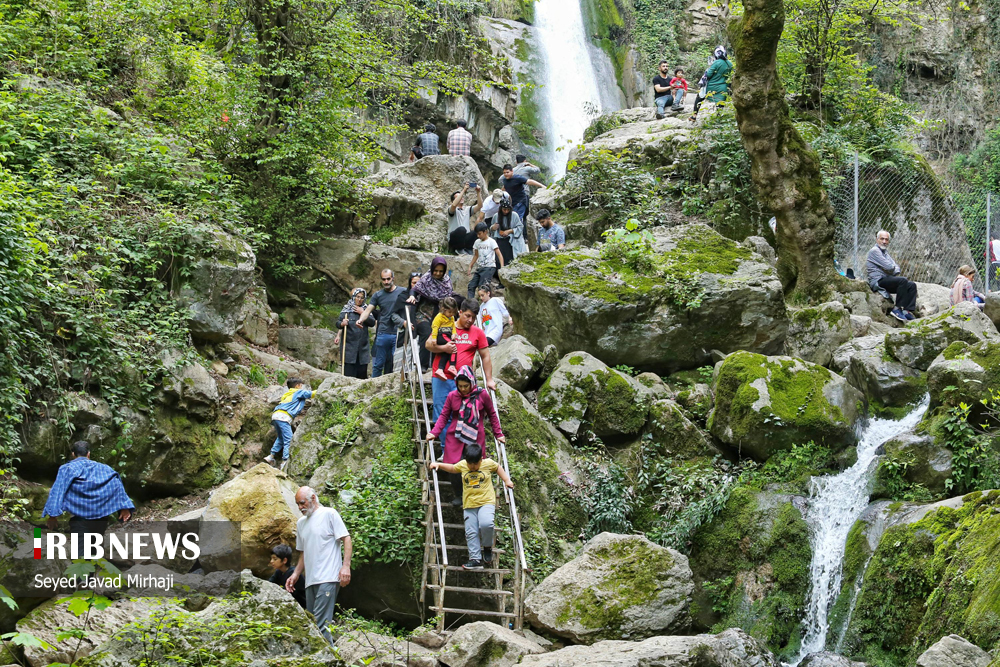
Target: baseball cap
(497,195)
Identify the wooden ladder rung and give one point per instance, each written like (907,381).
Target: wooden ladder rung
(461,526)
(463,589)
(474,612)
(462,547)
(459,568)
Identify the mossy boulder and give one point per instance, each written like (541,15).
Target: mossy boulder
(262,624)
(751,569)
(577,300)
(766,404)
(920,460)
(917,344)
(620,586)
(674,434)
(486,644)
(892,388)
(815,332)
(934,573)
(583,394)
(964,373)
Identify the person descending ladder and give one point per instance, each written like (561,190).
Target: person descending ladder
(497,590)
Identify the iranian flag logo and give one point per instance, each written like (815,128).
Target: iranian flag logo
(38,543)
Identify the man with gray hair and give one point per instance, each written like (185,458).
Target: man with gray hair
(318,536)
(883,277)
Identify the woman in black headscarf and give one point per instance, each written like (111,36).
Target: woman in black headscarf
(355,352)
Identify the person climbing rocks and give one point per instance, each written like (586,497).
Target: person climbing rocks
(493,314)
(485,257)
(524,168)
(479,502)
(470,406)
(507,229)
(289,405)
(662,95)
(715,81)
(281,562)
(385,333)
(491,205)
(428,141)
(884,277)
(962,289)
(352,339)
(89,491)
(320,535)
(461,238)
(513,185)
(551,236)
(460,140)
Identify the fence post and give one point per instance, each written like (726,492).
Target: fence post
(989,267)
(857,267)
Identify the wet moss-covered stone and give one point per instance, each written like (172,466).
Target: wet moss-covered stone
(766,404)
(917,344)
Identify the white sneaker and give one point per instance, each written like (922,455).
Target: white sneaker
(284,464)
(269,459)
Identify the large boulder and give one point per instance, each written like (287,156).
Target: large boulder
(731,648)
(262,624)
(261,502)
(52,618)
(953,651)
(189,387)
(885,382)
(316,347)
(259,324)
(214,286)
(814,333)
(841,358)
(641,134)
(484,644)
(578,301)
(619,586)
(923,461)
(673,434)
(249,356)
(516,361)
(767,404)
(359,647)
(932,299)
(965,373)
(919,342)
(584,394)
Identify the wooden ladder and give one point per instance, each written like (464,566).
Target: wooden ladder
(496,592)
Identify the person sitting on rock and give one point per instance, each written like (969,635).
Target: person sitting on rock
(460,140)
(479,501)
(507,229)
(679,88)
(551,236)
(429,140)
(281,561)
(461,238)
(662,95)
(290,404)
(962,289)
(884,277)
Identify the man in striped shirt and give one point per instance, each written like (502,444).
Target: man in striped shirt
(460,140)
(89,491)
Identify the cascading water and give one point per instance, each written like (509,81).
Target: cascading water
(835,503)
(579,78)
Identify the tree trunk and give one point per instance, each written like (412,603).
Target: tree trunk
(784,169)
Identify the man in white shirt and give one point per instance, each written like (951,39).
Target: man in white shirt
(493,313)
(460,234)
(318,537)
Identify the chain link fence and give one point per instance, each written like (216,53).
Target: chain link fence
(935,227)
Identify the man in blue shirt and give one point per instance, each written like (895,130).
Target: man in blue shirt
(291,403)
(89,491)
(513,185)
(551,236)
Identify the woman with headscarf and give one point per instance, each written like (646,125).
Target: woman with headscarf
(508,230)
(715,81)
(421,325)
(432,287)
(466,407)
(355,350)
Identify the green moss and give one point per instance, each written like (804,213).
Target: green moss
(614,403)
(955,350)
(388,232)
(633,574)
(575,361)
(796,397)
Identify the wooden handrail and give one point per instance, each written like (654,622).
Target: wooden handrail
(415,353)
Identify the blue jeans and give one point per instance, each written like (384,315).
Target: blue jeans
(521,206)
(284,440)
(661,102)
(679,98)
(385,346)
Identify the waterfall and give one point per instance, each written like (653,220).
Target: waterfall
(579,79)
(835,503)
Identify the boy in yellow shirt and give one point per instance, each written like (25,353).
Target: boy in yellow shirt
(479,502)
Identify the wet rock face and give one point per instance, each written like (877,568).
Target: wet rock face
(917,344)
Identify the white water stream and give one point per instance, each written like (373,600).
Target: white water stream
(835,503)
(579,78)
